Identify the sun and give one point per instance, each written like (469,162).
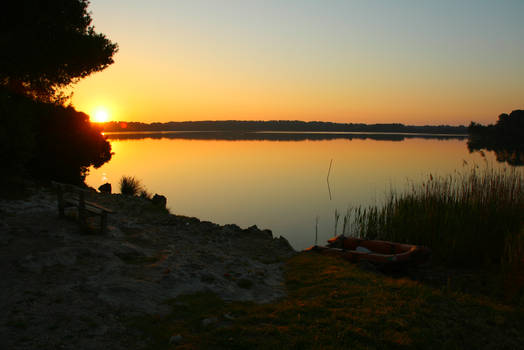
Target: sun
(100,115)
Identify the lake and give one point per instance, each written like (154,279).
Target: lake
(279,181)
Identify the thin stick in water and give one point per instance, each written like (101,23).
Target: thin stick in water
(337,216)
(316,231)
(327,178)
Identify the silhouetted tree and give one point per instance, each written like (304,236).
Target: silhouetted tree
(282,125)
(505,138)
(47,45)
(48,141)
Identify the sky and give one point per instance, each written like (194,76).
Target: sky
(413,62)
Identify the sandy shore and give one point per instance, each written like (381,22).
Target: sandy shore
(64,288)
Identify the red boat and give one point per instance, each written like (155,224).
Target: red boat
(374,251)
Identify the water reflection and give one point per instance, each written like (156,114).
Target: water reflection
(278,185)
(504,153)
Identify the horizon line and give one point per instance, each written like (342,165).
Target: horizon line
(277,120)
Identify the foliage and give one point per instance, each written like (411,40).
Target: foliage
(505,138)
(332,304)
(281,125)
(509,128)
(17,134)
(46,45)
(131,186)
(145,194)
(47,140)
(474,217)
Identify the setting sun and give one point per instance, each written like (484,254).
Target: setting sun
(101,115)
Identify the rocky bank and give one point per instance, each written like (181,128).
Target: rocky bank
(66,288)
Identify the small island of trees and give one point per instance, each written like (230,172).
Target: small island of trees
(505,138)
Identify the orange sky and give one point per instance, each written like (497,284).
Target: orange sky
(341,61)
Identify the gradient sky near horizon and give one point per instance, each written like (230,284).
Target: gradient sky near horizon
(413,62)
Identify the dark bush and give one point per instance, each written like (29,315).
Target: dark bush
(49,141)
(130,186)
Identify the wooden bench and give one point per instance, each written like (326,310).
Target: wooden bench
(73,196)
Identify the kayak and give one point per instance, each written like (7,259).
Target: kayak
(374,251)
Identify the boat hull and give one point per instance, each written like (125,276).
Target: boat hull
(375,251)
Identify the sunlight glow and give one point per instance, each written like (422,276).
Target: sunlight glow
(101,115)
(440,62)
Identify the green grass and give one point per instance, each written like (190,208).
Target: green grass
(333,304)
(470,218)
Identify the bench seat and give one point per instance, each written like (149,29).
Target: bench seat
(73,196)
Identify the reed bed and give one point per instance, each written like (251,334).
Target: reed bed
(470,218)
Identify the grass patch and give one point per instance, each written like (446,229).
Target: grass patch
(334,305)
(470,218)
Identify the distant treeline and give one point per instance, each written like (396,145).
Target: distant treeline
(269,136)
(505,138)
(282,125)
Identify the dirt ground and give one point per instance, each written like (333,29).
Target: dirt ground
(63,287)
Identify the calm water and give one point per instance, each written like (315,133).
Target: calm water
(279,185)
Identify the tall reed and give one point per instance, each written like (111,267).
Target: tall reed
(474,216)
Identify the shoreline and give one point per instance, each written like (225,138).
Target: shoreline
(63,283)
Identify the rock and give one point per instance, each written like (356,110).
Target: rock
(175,339)
(268,233)
(105,188)
(284,243)
(159,201)
(128,252)
(232,228)
(207,278)
(209,321)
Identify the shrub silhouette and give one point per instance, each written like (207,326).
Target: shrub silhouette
(48,141)
(143,193)
(131,186)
